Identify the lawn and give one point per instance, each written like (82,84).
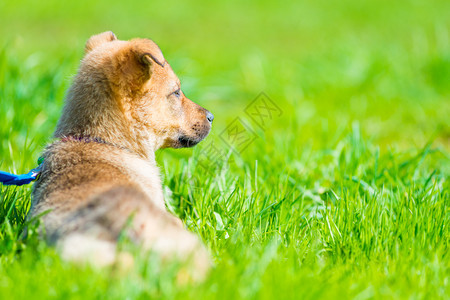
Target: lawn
(326,174)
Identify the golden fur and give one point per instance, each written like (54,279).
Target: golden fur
(124,104)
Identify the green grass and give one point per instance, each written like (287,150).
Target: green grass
(344,193)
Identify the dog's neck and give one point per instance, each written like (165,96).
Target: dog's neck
(93,112)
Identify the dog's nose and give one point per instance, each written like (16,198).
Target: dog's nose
(209,117)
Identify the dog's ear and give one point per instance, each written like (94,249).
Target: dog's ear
(136,62)
(149,52)
(148,59)
(99,39)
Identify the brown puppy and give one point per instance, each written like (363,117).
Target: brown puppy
(100,179)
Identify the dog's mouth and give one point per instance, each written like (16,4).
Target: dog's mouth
(187,142)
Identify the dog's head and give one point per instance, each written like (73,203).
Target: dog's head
(139,84)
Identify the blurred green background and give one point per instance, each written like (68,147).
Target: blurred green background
(384,64)
(345,193)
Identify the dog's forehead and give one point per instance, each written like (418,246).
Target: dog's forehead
(174,84)
(166,77)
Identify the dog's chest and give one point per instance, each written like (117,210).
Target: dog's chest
(146,174)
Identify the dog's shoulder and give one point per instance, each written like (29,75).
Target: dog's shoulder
(74,171)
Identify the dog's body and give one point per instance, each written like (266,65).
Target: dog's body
(100,179)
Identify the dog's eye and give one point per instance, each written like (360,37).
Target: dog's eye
(177,93)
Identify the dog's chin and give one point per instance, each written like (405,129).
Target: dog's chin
(187,142)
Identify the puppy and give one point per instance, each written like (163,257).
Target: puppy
(100,179)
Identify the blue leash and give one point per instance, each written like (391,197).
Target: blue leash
(13,179)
